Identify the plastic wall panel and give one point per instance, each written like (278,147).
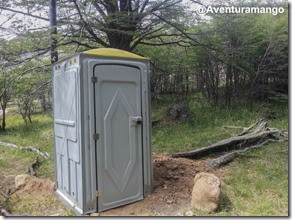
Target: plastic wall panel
(66,132)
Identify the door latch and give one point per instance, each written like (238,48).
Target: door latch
(136,120)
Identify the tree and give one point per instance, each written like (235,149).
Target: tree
(19,58)
(120,24)
(5,97)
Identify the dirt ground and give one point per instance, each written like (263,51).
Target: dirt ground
(171,196)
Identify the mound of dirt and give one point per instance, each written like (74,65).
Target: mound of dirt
(37,186)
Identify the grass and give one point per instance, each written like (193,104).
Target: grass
(254,184)
(38,134)
(208,126)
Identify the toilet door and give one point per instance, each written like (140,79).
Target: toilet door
(118,129)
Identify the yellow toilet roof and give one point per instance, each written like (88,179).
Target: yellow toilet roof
(111,52)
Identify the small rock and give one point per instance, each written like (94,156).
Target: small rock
(189,213)
(21,180)
(179,214)
(94,214)
(174,167)
(164,187)
(206,192)
(181,172)
(175,177)
(169,201)
(56,214)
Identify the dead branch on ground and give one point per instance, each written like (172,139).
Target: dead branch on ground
(254,136)
(30,148)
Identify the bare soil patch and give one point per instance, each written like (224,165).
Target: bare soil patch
(37,187)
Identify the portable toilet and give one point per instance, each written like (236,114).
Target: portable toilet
(102,129)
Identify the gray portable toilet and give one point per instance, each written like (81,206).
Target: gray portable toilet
(102,129)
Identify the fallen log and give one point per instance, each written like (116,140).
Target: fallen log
(227,158)
(228,144)
(255,136)
(30,148)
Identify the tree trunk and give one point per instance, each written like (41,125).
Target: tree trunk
(120,41)
(43,102)
(3,126)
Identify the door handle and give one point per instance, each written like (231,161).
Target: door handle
(136,120)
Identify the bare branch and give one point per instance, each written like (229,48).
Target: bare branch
(99,9)
(24,13)
(88,28)
(144,6)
